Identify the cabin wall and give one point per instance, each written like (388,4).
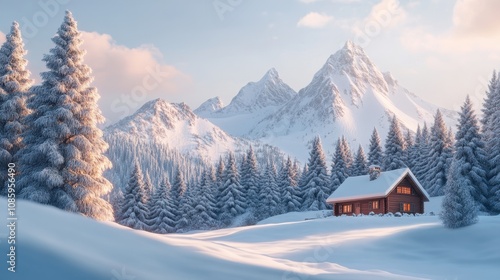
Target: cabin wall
(394,200)
(365,207)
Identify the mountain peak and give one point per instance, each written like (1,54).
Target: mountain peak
(272,74)
(211,105)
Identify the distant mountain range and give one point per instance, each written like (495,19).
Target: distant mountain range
(348,96)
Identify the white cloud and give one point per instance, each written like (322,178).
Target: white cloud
(2,37)
(476,27)
(128,77)
(314,20)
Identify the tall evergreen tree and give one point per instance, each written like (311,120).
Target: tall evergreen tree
(269,196)
(302,187)
(394,147)
(439,157)
(161,212)
(63,160)
(360,165)
(187,201)
(489,105)
(179,188)
(375,155)
(493,151)
(421,162)
(290,197)
(231,200)
(204,214)
(316,183)
(250,179)
(219,185)
(14,84)
(340,165)
(413,151)
(470,156)
(134,212)
(458,207)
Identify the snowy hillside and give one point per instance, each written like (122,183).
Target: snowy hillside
(163,135)
(348,96)
(59,245)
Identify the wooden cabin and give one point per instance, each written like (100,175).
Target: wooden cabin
(379,192)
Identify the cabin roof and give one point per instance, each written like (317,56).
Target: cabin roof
(360,187)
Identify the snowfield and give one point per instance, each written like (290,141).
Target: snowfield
(52,244)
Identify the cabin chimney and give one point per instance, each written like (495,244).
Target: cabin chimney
(374,172)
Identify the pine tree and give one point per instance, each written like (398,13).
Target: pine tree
(14,85)
(375,155)
(250,179)
(187,202)
(219,185)
(290,199)
(316,183)
(470,155)
(439,157)
(421,164)
(161,213)
(489,106)
(394,147)
(302,187)
(204,214)
(458,207)
(134,212)
(63,160)
(360,166)
(179,188)
(413,151)
(493,151)
(269,196)
(340,165)
(231,200)
(409,145)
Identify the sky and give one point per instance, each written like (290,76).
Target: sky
(192,50)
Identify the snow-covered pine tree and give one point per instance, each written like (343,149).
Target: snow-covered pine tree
(458,206)
(148,186)
(269,196)
(421,162)
(413,151)
(302,187)
(290,200)
(179,188)
(134,211)
(360,165)
(219,185)
(62,162)
(204,214)
(161,214)
(187,208)
(340,165)
(493,152)
(394,147)
(439,157)
(14,85)
(489,105)
(231,201)
(375,155)
(316,184)
(409,145)
(250,179)
(470,155)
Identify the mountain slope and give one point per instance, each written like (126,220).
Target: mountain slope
(254,102)
(348,96)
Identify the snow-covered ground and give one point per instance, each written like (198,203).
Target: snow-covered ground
(52,244)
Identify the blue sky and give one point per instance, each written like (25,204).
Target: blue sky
(193,50)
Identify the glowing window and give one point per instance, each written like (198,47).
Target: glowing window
(375,204)
(406,207)
(403,190)
(347,208)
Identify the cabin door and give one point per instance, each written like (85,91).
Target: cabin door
(357,208)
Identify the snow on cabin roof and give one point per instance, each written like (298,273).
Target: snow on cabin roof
(360,187)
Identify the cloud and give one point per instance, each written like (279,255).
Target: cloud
(476,27)
(2,37)
(314,20)
(128,77)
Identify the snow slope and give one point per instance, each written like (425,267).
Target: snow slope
(53,244)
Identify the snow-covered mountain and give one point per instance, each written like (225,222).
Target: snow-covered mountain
(163,136)
(209,106)
(348,96)
(254,102)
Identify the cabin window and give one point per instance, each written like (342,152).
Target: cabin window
(403,190)
(347,208)
(375,204)
(406,207)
